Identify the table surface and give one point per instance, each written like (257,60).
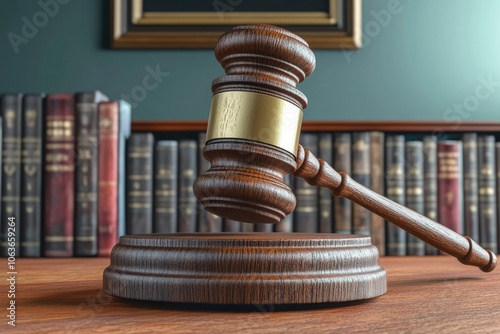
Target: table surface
(426,294)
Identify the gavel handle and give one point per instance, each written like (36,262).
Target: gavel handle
(319,173)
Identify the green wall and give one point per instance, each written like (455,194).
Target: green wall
(422,64)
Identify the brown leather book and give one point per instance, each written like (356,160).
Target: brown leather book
(449,176)
(107,204)
(59,175)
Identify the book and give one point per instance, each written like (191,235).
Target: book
(361,174)
(377,223)
(430,184)
(325,197)
(31,175)
(286,224)
(207,221)
(165,187)
(86,171)
(487,196)
(232,225)
(342,207)
(470,181)
(140,183)
(124,131)
(414,166)
(188,205)
(497,168)
(59,175)
(247,227)
(306,211)
(395,190)
(107,162)
(264,227)
(1,166)
(10,237)
(449,175)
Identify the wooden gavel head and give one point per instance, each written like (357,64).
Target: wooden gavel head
(254,124)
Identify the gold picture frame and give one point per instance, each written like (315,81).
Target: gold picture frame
(134,28)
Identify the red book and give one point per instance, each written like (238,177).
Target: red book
(59,175)
(107,207)
(449,178)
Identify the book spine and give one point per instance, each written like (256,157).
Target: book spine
(59,176)
(248,227)
(414,166)
(361,174)
(286,224)
(165,187)
(107,205)
(140,183)
(325,197)
(377,184)
(123,135)
(487,196)
(31,175)
(497,164)
(207,221)
(263,227)
(86,174)
(10,236)
(306,211)
(342,206)
(430,184)
(471,195)
(188,171)
(395,190)
(449,194)
(232,225)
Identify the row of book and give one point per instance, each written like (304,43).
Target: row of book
(450,181)
(63,174)
(74,179)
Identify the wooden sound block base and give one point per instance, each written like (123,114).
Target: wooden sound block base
(245,268)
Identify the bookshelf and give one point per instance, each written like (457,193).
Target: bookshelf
(411,131)
(328,125)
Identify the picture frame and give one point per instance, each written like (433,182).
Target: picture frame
(197,24)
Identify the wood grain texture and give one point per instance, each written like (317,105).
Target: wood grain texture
(425,295)
(245,268)
(432,127)
(320,173)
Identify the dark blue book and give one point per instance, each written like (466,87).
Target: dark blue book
(86,171)
(140,148)
(395,190)
(31,175)
(10,110)
(165,187)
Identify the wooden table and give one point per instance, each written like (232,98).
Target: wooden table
(426,295)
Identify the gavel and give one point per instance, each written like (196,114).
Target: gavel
(252,142)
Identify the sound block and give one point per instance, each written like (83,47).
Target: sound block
(245,268)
